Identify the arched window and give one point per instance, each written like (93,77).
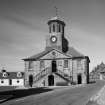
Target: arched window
(53,28)
(59,28)
(50,29)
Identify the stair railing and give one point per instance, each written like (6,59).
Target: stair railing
(63,74)
(41,74)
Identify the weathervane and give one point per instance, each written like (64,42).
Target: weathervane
(56,10)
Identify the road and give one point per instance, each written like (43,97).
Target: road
(60,96)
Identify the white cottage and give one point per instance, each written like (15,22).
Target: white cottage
(59,63)
(11,78)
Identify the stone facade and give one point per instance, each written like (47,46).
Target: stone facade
(58,64)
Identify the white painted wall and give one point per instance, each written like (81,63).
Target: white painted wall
(101,77)
(5,82)
(15,83)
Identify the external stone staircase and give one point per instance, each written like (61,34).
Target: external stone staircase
(47,71)
(63,75)
(41,75)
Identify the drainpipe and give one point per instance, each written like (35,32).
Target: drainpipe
(72,70)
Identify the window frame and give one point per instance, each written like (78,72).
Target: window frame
(66,63)
(30,65)
(5,74)
(42,64)
(19,74)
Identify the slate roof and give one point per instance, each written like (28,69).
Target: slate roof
(74,52)
(11,75)
(71,53)
(56,19)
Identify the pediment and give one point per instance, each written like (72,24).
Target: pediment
(55,54)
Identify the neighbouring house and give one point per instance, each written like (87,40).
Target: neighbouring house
(98,73)
(59,63)
(11,78)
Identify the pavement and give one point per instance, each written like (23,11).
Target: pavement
(99,98)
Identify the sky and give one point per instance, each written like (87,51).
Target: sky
(23,28)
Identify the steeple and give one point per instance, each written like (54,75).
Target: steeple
(56,9)
(56,33)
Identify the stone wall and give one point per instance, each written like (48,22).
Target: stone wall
(75,67)
(79,66)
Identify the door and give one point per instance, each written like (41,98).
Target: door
(30,80)
(10,82)
(79,77)
(54,66)
(50,80)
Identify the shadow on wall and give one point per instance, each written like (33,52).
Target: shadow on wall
(14,94)
(62,84)
(91,82)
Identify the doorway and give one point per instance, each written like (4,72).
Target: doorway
(50,80)
(30,80)
(79,77)
(10,82)
(54,66)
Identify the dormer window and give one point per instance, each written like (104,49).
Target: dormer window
(19,74)
(5,74)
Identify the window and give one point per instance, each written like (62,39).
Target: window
(18,81)
(65,63)
(50,29)
(2,81)
(53,28)
(30,64)
(42,64)
(4,74)
(59,29)
(79,63)
(59,63)
(19,74)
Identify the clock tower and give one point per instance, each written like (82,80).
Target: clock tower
(56,38)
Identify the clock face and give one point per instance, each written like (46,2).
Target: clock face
(53,39)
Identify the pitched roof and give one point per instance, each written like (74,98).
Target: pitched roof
(36,56)
(71,53)
(74,53)
(46,51)
(11,75)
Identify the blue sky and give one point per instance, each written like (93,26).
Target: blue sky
(23,27)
